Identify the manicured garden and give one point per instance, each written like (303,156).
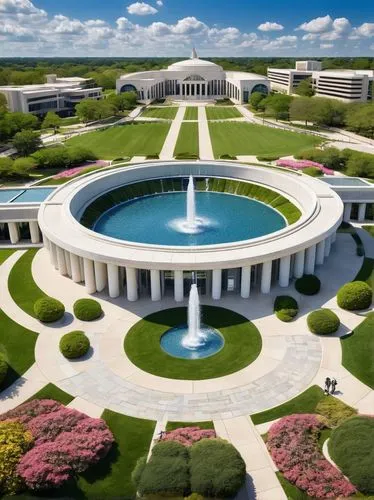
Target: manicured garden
(138,138)
(237,138)
(166,112)
(191,113)
(242,344)
(188,139)
(221,113)
(4,254)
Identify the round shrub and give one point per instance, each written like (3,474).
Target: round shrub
(207,458)
(308,284)
(87,309)
(351,446)
(48,309)
(138,470)
(313,171)
(3,369)
(74,345)
(170,449)
(285,308)
(323,322)
(355,296)
(267,158)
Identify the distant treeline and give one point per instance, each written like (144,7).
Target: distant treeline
(28,70)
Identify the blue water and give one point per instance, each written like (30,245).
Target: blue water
(171,343)
(151,219)
(8,194)
(33,195)
(345,181)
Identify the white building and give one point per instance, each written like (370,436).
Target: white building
(193,79)
(58,94)
(346,85)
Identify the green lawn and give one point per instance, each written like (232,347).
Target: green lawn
(358,351)
(124,140)
(305,402)
(188,139)
(292,492)
(170,426)
(5,253)
(21,284)
(220,113)
(238,138)
(50,391)
(167,113)
(16,347)
(369,229)
(242,344)
(191,113)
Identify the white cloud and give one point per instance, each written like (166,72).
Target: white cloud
(326,45)
(341,25)
(18,6)
(141,9)
(269,26)
(365,30)
(160,3)
(317,25)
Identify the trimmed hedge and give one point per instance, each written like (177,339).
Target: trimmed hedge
(48,309)
(87,309)
(186,156)
(285,308)
(267,158)
(74,344)
(217,469)
(323,322)
(3,369)
(228,157)
(313,171)
(308,284)
(355,296)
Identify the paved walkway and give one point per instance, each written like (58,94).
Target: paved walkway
(167,152)
(205,144)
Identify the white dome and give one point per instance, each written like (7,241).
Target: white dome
(194,63)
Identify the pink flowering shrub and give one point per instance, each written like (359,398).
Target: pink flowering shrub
(66,442)
(301,164)
(188,435)
(293,445)
(71,172)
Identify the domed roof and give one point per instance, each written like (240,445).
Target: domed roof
(194,62)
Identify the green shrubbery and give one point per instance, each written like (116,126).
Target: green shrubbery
(87,309)
(323,322)
(48,309)
(62,156)
(228,157)
(355,296)
(153,156)
(3,369)
(313,171)
(74,344)
(335,411)
(308,284)
(267,158)
(186,156)
(285,308)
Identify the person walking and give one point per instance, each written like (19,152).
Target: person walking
(334,383)
(327,385)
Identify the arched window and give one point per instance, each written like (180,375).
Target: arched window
(194,78)
(128,88)
(260,87)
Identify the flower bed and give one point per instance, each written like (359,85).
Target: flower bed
(65,442)
(71,172)
(188,435)
(293,445)
(301,164)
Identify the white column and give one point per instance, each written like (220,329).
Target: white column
(310,259)
(13,232)
(347,212)
(75,268)
(298,268)
(34,231)
(89,275)
(284,271)
(216,284)
(132,284)
(328,246)
(46,242)
(155,285)
(100,275)
(61,261)
(113,280)
(266,277)
(245,288)
(53,254)
(361,212)
(68,263)
(320,253)
(178,286)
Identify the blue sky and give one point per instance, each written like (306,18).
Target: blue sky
(171,27)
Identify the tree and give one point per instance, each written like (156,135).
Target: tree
(6,165)
(256,99)
(302,109)
(305,88)
(86,110)
(23,166)
(26,142)
(278,105)
(52,120)
(329,112)
(3,104)
(360,119)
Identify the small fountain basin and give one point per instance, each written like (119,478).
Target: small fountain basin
(172,343)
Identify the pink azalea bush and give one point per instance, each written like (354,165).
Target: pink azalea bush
(71,172)
(293,445)
(301,164)
(188,435)
(66,442)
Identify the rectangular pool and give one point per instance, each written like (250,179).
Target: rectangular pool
(7,194)
(33,195)
(345,181)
